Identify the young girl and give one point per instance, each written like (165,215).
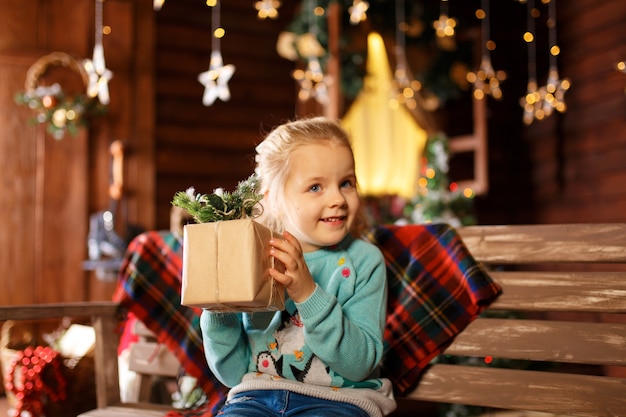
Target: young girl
(321,355)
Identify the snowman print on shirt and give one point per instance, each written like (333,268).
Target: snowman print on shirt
(289,354)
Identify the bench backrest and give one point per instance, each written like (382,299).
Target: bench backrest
(558,330)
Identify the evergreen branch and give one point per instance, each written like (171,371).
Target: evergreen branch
(221,205)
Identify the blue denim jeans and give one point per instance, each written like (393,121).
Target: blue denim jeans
(279,403)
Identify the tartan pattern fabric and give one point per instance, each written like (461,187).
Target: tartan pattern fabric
(436,289)
(149,288)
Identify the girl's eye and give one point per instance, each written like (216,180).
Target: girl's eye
(347,184)
(315,188)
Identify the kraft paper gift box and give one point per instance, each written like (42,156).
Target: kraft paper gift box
(225,267)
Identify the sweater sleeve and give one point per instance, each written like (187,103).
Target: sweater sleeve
(348,337)
(225,347)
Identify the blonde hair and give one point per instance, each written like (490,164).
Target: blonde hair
(273,163)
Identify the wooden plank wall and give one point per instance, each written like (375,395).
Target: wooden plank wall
(50,187)
(33,212)
(569,167)
(210,147)
(579,159)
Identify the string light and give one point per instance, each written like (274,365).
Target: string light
(540,103)
(407,90)
(215,79)
(486,80)
(267,8)
(554,91)
(532,101)
(401,79)
(621,67)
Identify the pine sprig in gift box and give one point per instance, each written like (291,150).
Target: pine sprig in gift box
(221,205)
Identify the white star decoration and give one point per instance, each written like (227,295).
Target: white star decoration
(313,82)
(99,75)
(358,11)
(215,80)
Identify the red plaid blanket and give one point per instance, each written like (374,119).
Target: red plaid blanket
(435,290)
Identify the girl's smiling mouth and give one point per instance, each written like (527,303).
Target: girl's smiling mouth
(334,219)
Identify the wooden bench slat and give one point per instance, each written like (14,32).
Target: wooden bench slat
(567,394)
(543,340)
(58,310)
(594,292)
(546,243)
(125,411)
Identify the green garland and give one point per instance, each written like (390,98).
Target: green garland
(437,78)
(221,205)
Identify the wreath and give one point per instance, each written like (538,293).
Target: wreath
(60,112)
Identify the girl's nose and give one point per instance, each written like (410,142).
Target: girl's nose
(336,198)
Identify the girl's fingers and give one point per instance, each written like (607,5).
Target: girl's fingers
(283,257)
(289,245)
(291,239)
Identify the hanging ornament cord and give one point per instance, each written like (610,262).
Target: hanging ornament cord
(400,74)
(312,80)
(555,87)
(407,90)
(216,23)
(215,80)
(532,101)
(486,80)
(99,75)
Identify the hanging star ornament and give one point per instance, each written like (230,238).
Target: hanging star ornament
(553,93)
(215,80)
(99,75)
(532,103)
(267,9)
(358,11)
(313,82)
(486,80)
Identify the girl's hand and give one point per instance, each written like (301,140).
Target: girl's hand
(297,279)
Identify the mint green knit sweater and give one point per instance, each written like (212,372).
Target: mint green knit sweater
(329,346)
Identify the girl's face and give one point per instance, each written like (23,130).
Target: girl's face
(321,198)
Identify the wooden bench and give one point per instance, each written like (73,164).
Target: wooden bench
(564,298)
(563,309)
